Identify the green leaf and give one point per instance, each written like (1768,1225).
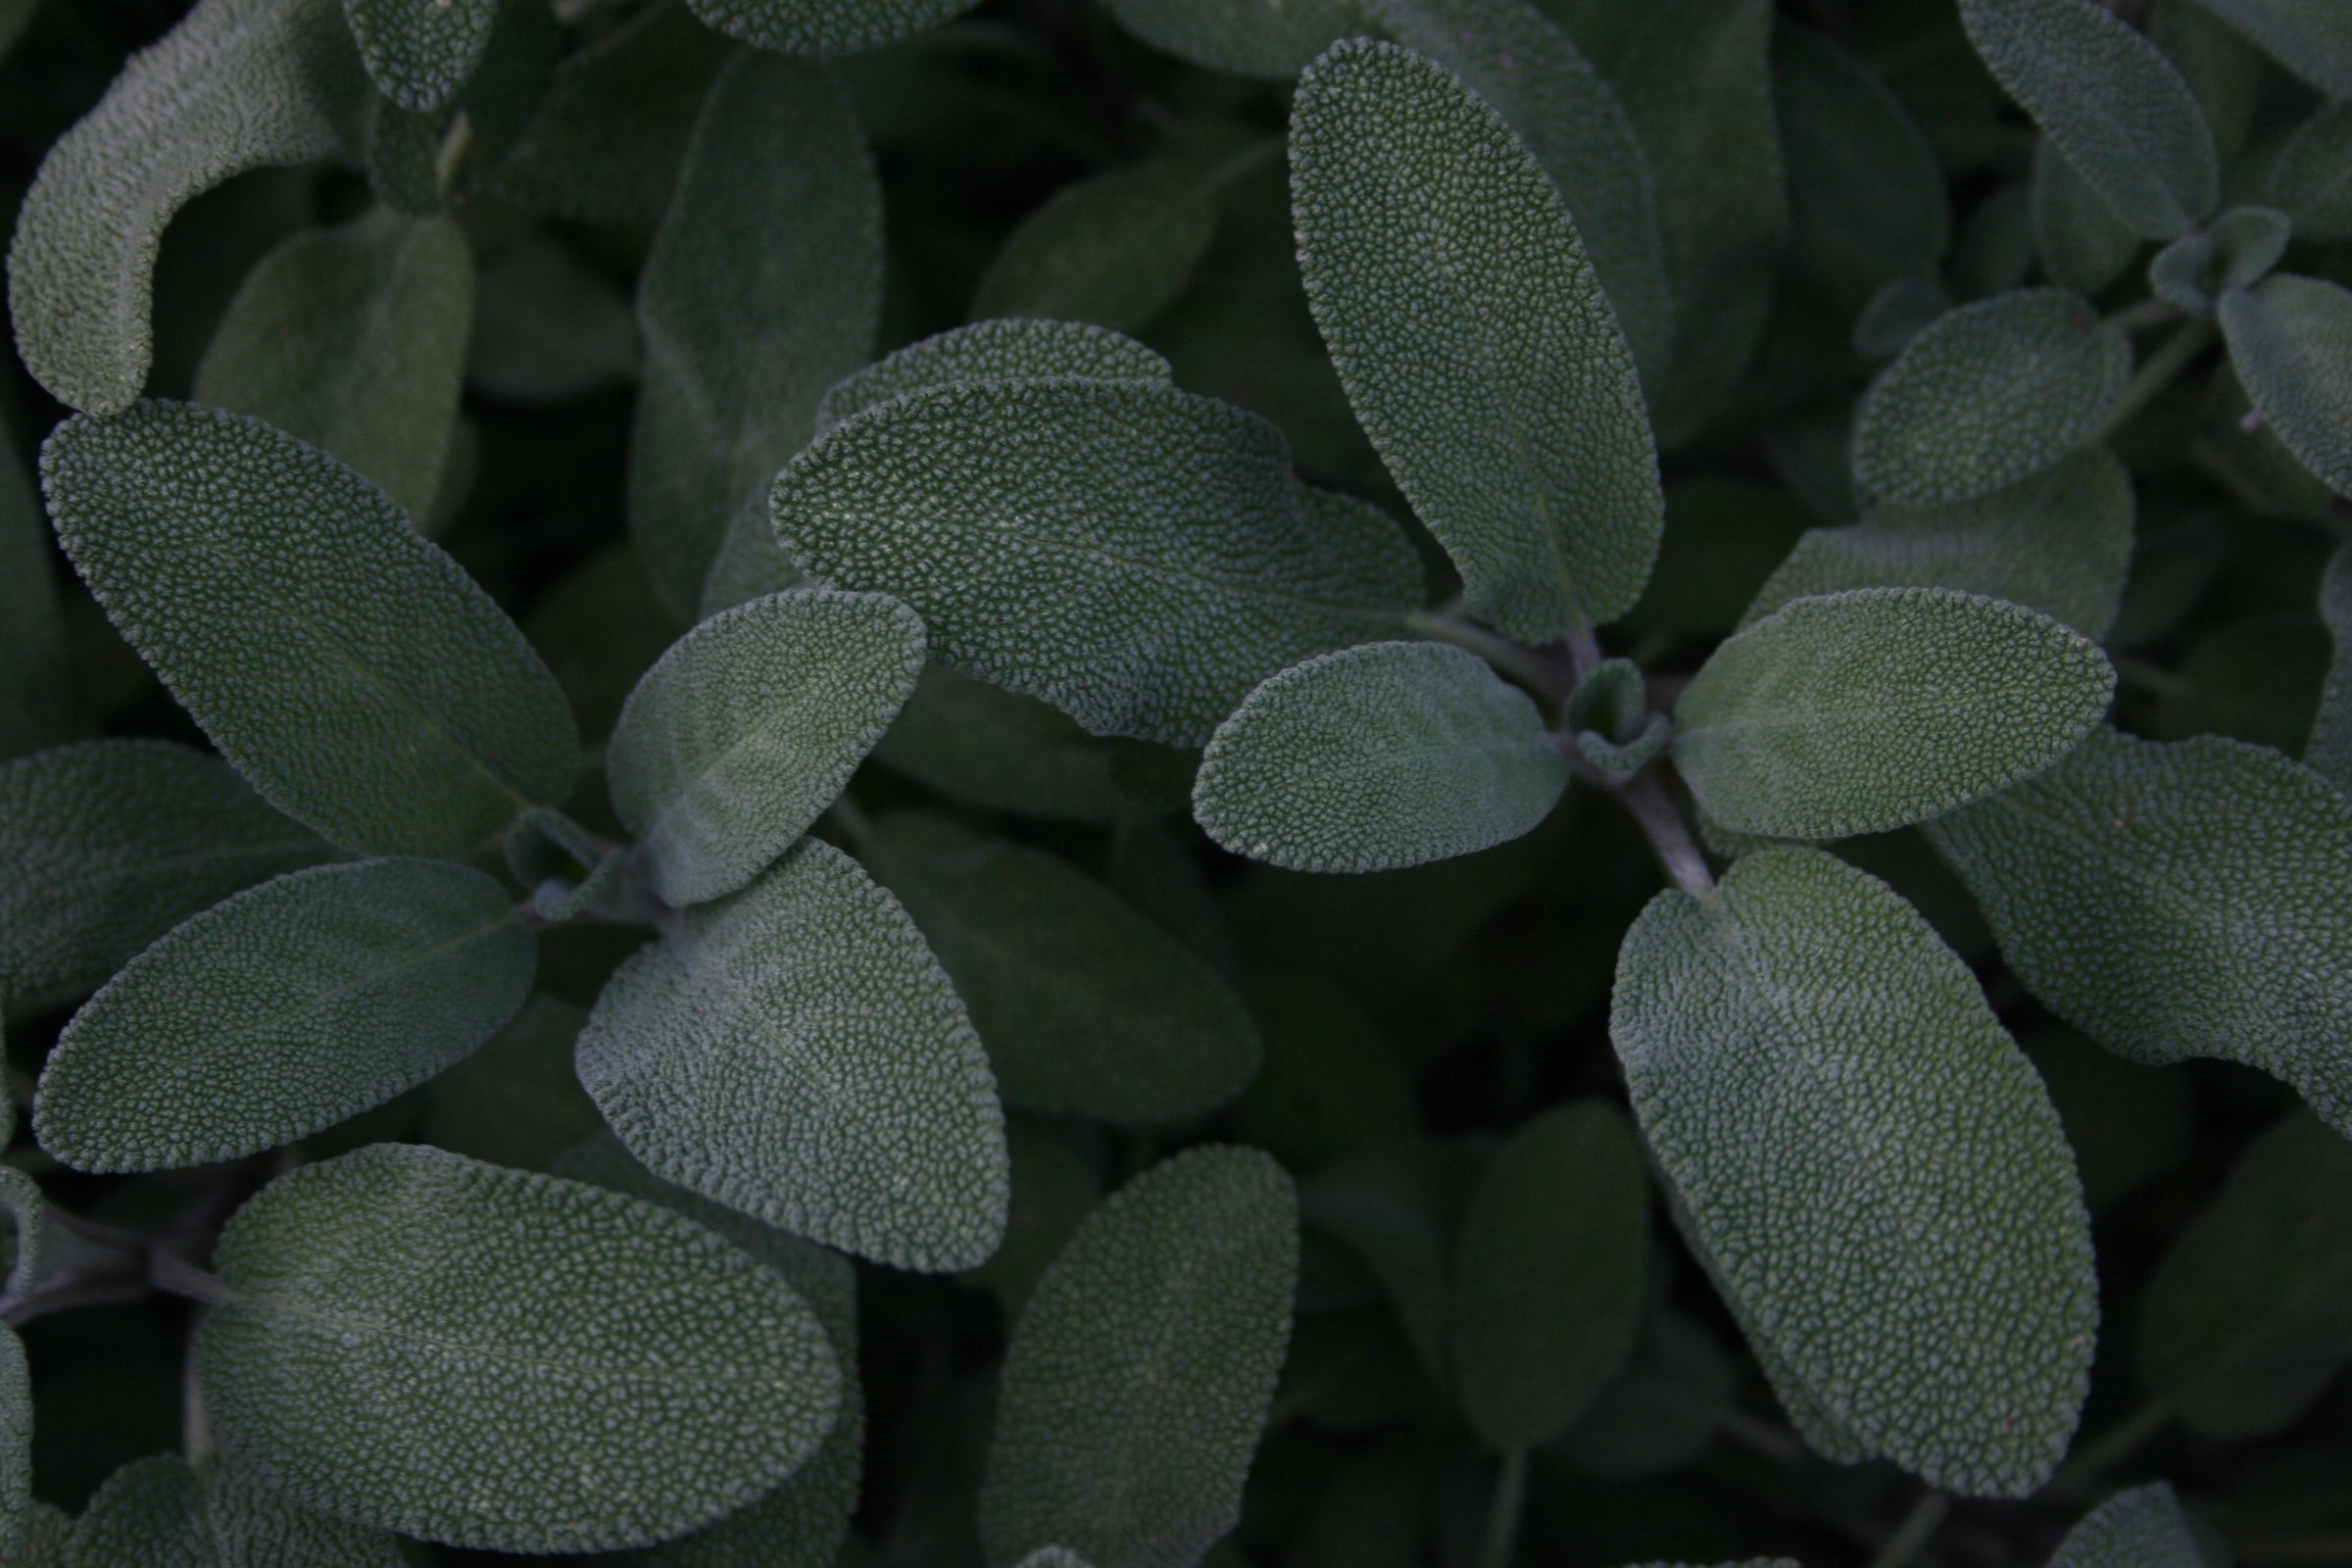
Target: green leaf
(750,726)
(420,52)
(15,1444)
(2245,1322)
(2291,341)
(762,290)
(1550,1274)
(2328,752)
(1141,1371)
(1375,757)
(978,743)
(1054,1186)
(826,26)
(2236,252)
(516,1100)
(2083,245)
(282,1012)
(110,844)
(2111,101)
(2312,38)
(1252,37)
(2312,178)
(1137,555)
(796,1053)
(1994,393)
(1861,174)
(41,695)
(237,85)
(1115,249)
(2143,1527)
(547,325)
(1864,710)
(1011,349)
(353,340)
(1489,371)
(1332,1081)
(595,1372)
(159,1513)
(1869,1163)
(1388,1202)
(1084,1004)
(354,672)
(2177,900)
(2059,542)
(1662,1409)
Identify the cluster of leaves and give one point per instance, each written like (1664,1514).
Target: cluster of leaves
(1007,964)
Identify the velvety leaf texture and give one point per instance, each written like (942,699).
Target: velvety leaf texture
(1871,1166)
(1112,250)
(596,1372)
(2111,101)
(1137,555)
(796,1053)
(1140,1373)
(761,291)
(1376,758)
(826,26)
(1990,394)
(2141,1528)
(420,52)
(750,726)
(2312,178)
(2328,752)
(1254,37)
(159,1513)
(110,844)
(1012,349)
(2290,339)
(2083,245)
(2176,901)
(1474,339)
(16,1444)
(353,340)
(236,85)
(1864,710)
(350,670)
(1084,1004)
(282,1012)
(2312,38)
(1861,174)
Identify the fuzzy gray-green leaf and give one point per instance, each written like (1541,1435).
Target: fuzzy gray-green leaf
(2176,901)
(1861,174)
(1254,37)
(826,26)
(1871,1165)
(2290,339)
(2329,751)
(1015,349)
(110,844)
(2111,101)
(796,1053)
(354,672)
(1474,339)
(750,726)
(2059,542)
(16,1444)
(236,85)
(1864,710)
(2083,245)
(1137,555)
(1112,250)
(420,52)
(2312,178)
(1084,1004)
(762,290)
(160,1514)
(353,339)
(596,1372)
(1989,395)
(2143,1527)
(282,1012)
(2312,38)
(1141,1371)
(1375,757)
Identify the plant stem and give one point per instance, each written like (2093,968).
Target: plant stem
(2112,1447)
(169,1271)
(1662,824)
(1913,1533)
(1533,668)
(2163,368)
(1501,1542)
(2146,314)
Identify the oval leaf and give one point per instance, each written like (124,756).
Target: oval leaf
(2313,176)
(1474,340)
(1140,1373)
(595,1372)
(282,1012)
(1861,173)
(1869,1162)
(750,726)
(1865,711)
(420,52)
(1252,37)
(2312,38)
(796,1054)
(826,26)
(2143,1527)
(159,1513)
(354,672)
(1112,250)
(1377,758)
(2290,339)
(2083,245)
(1015,349)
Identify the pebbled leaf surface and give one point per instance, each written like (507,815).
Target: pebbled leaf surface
(2290,339)
(420,52)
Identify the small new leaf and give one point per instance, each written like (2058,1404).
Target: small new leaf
(2143,1527)
(2290,339)
(420,52)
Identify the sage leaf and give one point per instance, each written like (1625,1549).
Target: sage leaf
(110,844)
(516,1100)
(1861,173)
(1376,758)
(353,340)
(2059,542)
(2312,178)
(1993,393)
(2246,1321)
(1487,369)
(420,52)
(2083,245)
(284,1010)
(2312,38)
(597,1372)
(2290,339)
(1084,1004)
(159,1513)
(1014,347)
(48,1536)
(2141,1528)
(1141,1371)
(16,1444)
(1661,1409)
(547,326)
(1251,37)
(2177,900)
(794,1052)
(826,26)
(2329,751)
(236,85)
(2111,101)
(762,290)
(1389,1203)
(750,726)
(1865,711)
(1873,1171)
(1136,555)
(349,669)
(1114,250)
(981,744)
(1054,1186)
(41,695)
(1550,1274)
